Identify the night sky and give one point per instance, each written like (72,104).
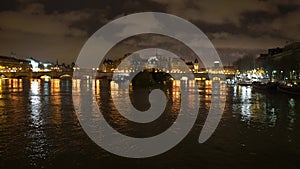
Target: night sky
(54,29)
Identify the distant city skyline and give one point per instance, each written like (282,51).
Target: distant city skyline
(55,30)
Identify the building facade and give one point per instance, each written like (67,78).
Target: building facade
(12,64)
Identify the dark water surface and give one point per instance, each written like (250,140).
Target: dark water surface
(39,129)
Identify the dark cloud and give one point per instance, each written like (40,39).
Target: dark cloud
(100,12)
(9,5)
(284,9)
(113,8)
(210,28)
(90,24)
(256,17)
(65,6)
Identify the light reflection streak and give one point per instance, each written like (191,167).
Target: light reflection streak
(36,133)
(1,89)
(76,85)
(55,85)
(262,109)
(291,113)
(56,102)
(246,104)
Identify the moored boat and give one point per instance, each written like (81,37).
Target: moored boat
(289,88)
(121,77)
(245,82)
(269,86)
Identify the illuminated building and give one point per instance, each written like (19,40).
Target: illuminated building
(38,66)
(282,63)
(34,64)
(196,65)
(12,64)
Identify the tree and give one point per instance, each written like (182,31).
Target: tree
(245,63)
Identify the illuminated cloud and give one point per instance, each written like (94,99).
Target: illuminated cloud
(56,29)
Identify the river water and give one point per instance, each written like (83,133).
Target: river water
(39,128)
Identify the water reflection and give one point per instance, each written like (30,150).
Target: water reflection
(38,125)
(251,105)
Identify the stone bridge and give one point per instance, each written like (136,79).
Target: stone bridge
(53,74)
(105,75)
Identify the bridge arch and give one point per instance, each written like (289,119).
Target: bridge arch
(65,76)
(44,75)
